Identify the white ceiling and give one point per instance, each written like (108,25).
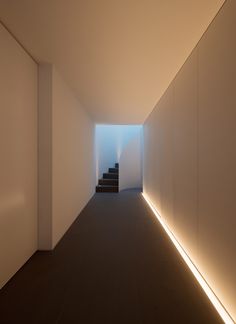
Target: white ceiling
(118,56)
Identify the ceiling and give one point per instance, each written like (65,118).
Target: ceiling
(118,56)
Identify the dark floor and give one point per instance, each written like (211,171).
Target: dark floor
(114,266)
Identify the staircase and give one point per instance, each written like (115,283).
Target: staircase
(109,181)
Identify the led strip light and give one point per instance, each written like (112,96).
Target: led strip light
(210,294)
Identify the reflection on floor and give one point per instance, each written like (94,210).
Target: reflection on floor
(114,266)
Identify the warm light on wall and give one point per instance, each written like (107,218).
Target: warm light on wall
(210,294)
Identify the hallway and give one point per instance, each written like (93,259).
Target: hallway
(115,265)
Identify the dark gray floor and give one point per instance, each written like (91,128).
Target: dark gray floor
(114,266)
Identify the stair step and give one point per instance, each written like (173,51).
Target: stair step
(110,182)
(113,170)
(105,188)
(110,176)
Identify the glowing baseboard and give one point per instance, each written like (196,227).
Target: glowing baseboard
(210,294)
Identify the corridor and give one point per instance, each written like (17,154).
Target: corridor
(115,265)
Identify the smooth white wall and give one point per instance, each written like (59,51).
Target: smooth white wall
(110,142)
(73,160)
(130,172)
(18,156)
(66,157)
(45,73)
(190,156)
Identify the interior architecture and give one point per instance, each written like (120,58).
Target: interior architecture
(117,161)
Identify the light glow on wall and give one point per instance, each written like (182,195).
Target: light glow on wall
(110,141)
(210,294)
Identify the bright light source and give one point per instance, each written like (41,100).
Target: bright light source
(210,294)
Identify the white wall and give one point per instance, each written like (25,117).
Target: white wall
(73,173)
(190,156)
(18,156)
(110,142)
(130,172)
(66,157)
(45,72)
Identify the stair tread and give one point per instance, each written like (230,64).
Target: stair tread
(109,182)
(108,179)
(113,170)
(105,186)
(111,173)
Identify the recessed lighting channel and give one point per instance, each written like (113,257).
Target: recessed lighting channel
(210,294)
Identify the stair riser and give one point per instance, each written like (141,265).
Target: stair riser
(117,165)
(107,189)
(110,176)
(108,182)
(113,170)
